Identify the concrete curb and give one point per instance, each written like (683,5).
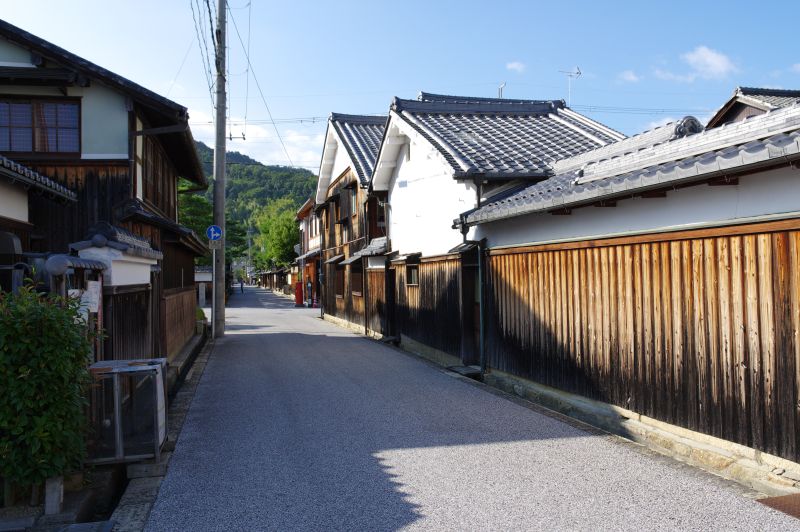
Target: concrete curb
(134,507)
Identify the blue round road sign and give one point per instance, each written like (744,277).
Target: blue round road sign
(214,232)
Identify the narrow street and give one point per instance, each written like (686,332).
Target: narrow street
(300,425)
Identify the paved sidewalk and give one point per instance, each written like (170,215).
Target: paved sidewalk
(300,425)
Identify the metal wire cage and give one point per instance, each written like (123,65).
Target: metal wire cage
(127,410)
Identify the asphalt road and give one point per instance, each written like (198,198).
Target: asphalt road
(300,425)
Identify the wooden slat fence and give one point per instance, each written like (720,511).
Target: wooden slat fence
(697,332)
(375,281)
(178,314)
(430,312)
(126,320)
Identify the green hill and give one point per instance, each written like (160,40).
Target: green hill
(251,185)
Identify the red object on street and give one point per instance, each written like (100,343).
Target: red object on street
(298,294)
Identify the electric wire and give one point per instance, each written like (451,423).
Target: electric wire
(180,69)
(258,85)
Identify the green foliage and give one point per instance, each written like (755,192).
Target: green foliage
(278,233)
(250,188)
(44,350)
(196,212)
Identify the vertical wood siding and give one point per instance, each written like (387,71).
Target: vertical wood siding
(99,189)
(375,281)
(697,332)
(430,313)
(126,320)
(178,314)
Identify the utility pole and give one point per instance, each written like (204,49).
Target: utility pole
(219,177)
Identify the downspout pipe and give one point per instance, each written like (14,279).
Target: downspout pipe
(482,338)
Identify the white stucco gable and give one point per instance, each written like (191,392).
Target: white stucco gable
(424,198)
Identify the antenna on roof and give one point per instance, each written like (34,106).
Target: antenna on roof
(571,74)
(500,90)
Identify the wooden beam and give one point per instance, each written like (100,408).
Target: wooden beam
(654,194)
(605,203)
(561,212)
(177,128)
(723,181)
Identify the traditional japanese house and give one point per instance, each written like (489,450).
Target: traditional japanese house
(350,219)
(443,155)
(121,149)
(309,253)
(752,101)
(660,274)
(17,184)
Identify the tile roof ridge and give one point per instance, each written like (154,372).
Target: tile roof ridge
(445,98)
(496,107)
(753,128)
(648,138)
(766,91)
(364,119)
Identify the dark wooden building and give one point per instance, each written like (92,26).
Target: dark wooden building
(121,148)
(350,219)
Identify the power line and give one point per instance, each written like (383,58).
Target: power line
(258,85)
(189,49)
(202,44)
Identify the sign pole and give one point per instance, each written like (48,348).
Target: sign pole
(213,292)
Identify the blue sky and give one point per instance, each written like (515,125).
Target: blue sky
(642,63)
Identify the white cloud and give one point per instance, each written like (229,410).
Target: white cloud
(262,144)
(516,66)
(704,63)
(795,68)
(708,63)
(629,76)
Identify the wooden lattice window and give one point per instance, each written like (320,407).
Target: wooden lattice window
(40,126)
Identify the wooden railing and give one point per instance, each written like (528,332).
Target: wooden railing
(178,315)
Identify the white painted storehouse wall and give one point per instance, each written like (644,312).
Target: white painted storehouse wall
(424,200)
(772,192)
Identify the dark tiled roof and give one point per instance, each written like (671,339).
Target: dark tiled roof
(775,98)
(104,234)
(361,136)
(752,143)
(501,139)
(134,209)
(16,172)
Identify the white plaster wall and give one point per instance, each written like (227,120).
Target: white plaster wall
(425,200)
(765,193)
(121,269)
(104,118)
(13,55)
(341,162)
(13,202)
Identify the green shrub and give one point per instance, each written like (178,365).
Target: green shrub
(44,350)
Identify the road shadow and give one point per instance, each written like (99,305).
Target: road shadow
(319,430)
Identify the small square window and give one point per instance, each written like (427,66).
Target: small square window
(412,275)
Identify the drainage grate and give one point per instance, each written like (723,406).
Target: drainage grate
(788,504)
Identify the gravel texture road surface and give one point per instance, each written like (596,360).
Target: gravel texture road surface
(300,425)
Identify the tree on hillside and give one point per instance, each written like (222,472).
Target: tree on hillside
(278,233)
(196,213)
